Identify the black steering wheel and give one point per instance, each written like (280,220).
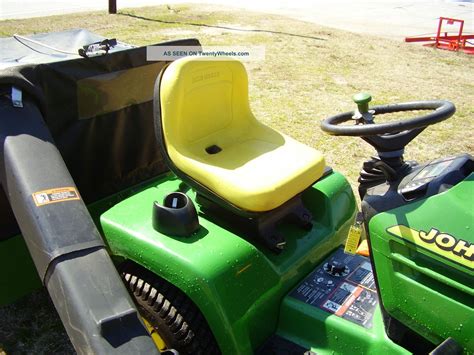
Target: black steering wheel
(390,136)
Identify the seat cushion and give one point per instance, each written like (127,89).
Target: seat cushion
(205,104)
(259,172)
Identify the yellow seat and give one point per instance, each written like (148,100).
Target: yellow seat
(210,134)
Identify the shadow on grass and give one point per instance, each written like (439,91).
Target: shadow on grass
(32,326)
(256,30)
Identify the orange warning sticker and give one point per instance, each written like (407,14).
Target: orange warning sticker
(59,194)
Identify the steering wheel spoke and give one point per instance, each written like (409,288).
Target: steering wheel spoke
(392,142)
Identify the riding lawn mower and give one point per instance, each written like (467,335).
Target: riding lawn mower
(162,216)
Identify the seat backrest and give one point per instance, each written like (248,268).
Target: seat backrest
(203,103)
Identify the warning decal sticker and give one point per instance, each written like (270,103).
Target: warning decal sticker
(350,295)
(59,194)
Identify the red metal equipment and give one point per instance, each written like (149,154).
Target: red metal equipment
(444,40)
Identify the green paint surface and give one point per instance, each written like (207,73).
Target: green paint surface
(326,333)
(237,284)
(362,100)
(432,294)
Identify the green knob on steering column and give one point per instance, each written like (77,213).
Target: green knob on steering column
(362,100)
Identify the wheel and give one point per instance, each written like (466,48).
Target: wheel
(391,137)
(441,110)
(173,320)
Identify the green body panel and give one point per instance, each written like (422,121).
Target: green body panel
(238,285)
(327,333)
(19,276)
(430,290)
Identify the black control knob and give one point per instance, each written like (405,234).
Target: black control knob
(336,268)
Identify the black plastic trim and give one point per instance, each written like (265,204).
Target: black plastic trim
(66,247)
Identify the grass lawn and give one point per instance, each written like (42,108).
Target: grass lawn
(310,72)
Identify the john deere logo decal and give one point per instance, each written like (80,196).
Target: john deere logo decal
(458,250)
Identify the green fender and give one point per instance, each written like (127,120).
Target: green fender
(238,285)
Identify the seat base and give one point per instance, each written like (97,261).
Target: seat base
(261,226)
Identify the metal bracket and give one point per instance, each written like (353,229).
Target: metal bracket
(366,117)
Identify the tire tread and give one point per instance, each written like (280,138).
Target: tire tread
(176,318)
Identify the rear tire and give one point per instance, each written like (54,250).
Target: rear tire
(172,314)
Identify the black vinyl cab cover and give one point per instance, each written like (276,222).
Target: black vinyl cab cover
(99,109)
